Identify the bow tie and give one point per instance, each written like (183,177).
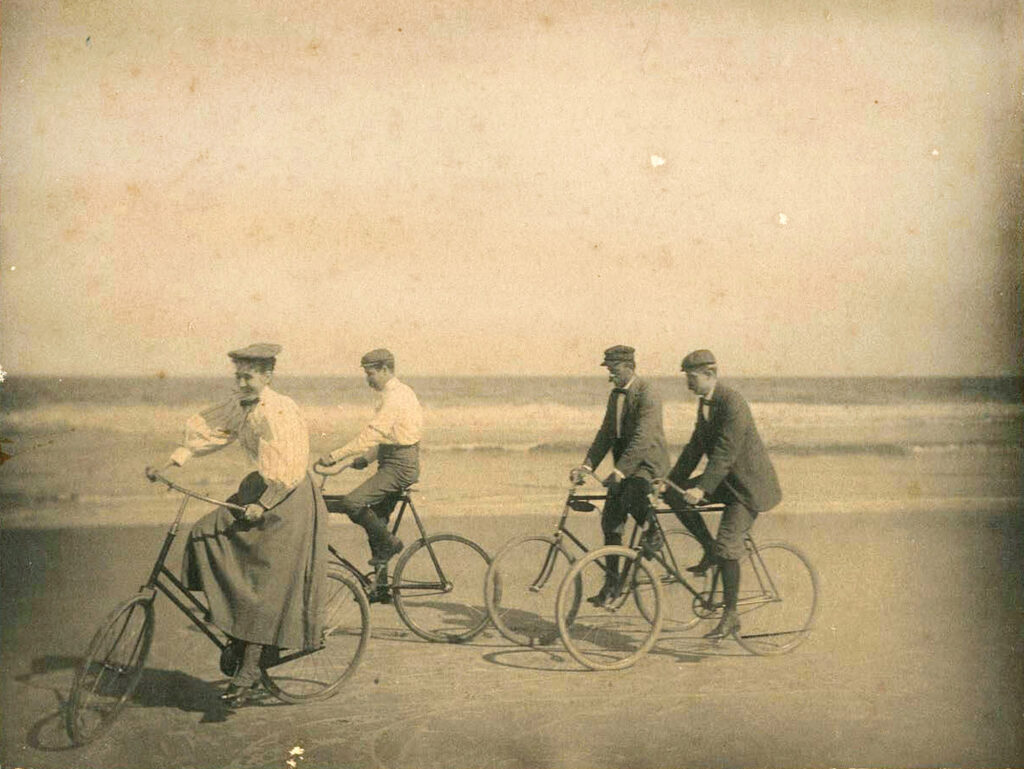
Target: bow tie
(705,401)
(248,402)
(620,390)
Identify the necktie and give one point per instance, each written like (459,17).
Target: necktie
(620,399)
(705,408)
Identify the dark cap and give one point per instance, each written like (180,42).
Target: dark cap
(258,351)
(620,353)
(698,359)
(378,357)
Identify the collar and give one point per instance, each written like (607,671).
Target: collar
(263,397)
(626,386)
(709,396)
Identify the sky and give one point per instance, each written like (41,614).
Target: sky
(507,187)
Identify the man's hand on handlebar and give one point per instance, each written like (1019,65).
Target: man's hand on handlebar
(359,463)
(578,475)
(154,473)
(693,496)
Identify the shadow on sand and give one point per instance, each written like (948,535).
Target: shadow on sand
(156,689)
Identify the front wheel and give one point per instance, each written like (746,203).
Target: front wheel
(316,674)
(436,588)
(113,664)
(610,634)
(680,613)
(778,598)
(520,588)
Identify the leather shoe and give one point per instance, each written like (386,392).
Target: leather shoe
(234,696)
(651,543)
(608,592)
(729,625)
(706,562)
(387,551)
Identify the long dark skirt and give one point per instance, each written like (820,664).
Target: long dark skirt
(263,580)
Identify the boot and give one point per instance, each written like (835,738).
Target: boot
(245,683)
(610,589)
(694,523)
(729,624)
(383,544)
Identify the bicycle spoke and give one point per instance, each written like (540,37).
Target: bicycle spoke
(778,599)
(529,571)
(446,603)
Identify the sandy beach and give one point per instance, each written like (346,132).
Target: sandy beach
(916,661)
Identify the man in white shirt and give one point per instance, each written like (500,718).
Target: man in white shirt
(392,438)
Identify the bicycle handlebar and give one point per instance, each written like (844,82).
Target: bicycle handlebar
(153,475)
(328,470)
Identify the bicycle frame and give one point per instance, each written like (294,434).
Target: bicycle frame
(574,501)
(160,576)
(163,579)
(365,579)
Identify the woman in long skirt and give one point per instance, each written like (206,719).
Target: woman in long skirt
(261,573)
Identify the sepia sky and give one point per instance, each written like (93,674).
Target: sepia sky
(498,186)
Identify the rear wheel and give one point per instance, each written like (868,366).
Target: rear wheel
(614,634)
(521,586)
(778,598)
(306,675)
(113,665)
(436,588)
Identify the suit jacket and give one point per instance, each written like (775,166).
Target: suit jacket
(641,450)
(738,462)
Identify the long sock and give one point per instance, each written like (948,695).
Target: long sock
(376,530)
(612,561)
(730,569)
(694,522)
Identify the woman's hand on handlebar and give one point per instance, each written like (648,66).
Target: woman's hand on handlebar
(253,513)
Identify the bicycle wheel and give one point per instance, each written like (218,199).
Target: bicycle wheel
(616,634)
(778,598)
(113,665)
(436,588)
(681,550)
(304,676)
(527,572)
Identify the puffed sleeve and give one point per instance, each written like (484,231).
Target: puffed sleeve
(209,430)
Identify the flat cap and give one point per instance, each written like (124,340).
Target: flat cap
(620,353)
(698,358)
(378,357)
(258,351)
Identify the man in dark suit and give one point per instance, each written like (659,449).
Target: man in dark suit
(738,473)
(632,429)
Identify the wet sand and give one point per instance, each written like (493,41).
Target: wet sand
(917,660)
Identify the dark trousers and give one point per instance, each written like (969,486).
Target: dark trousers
(627,498)
(737,519)
(398,467)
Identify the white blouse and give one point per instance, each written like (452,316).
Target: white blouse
(397,421)
(272,432)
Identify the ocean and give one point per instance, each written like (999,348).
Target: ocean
(78,445)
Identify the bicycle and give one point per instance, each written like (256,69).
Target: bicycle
(116,656)
(436,580)
(777,601)
(523,609)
